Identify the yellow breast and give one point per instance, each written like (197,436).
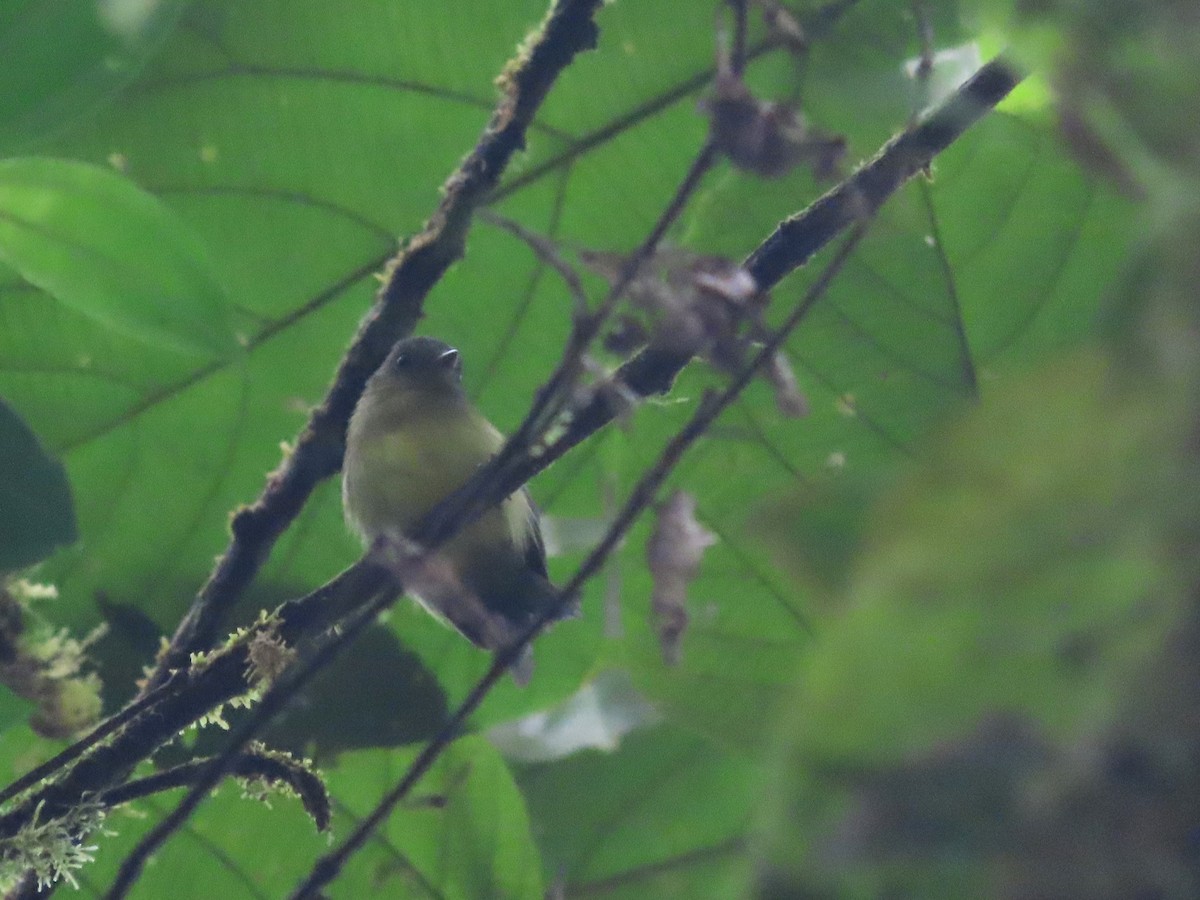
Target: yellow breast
(400,463)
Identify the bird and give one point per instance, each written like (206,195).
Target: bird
(413,439)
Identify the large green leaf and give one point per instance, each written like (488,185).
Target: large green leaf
(100,246)
(464,834)
(663,817)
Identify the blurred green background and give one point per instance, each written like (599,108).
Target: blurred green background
(948,615)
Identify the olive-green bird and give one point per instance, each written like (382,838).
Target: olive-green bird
(413,440)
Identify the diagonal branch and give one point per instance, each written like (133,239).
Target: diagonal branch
(793,243)
(269,767)
(567,30)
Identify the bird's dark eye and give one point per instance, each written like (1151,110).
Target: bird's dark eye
(401,362)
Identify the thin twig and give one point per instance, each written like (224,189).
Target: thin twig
(474,497)
(546,251)
(250,765)
(737,53)
(547,402)
(99,733)
(330,865)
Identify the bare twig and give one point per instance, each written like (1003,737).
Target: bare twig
(547,253)
(550,396)
(270,767)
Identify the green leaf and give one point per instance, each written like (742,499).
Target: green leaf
(36,512)
(462,833)
(61,59)
(102,246)
(487,837)
(662,816)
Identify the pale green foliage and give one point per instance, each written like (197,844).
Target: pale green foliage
(1009,602)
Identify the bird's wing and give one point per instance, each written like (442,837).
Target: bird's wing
(535,548)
